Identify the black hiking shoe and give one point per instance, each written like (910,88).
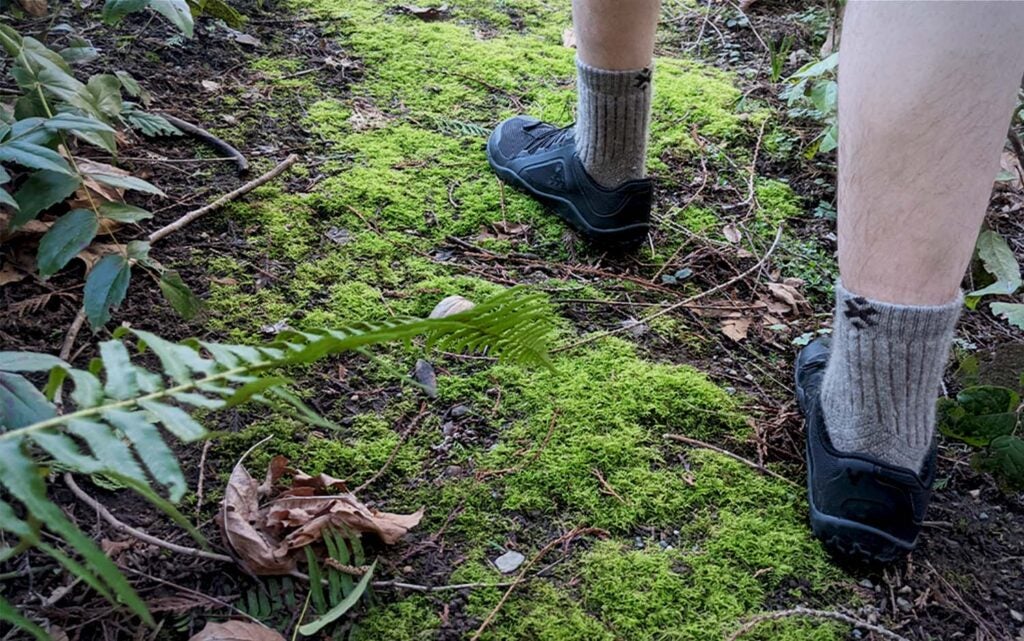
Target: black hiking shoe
(541,159)
(863,509)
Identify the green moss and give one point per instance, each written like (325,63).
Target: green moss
(777,201)
(697,219)
(411,619)
(673,595)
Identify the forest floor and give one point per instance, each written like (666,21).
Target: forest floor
(391,208)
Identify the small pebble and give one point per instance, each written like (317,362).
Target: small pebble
(509,562)
(638,543)
(425,376)
(975,493)
(458,410)
(905,590)
(983,516)
(1017,616)
(904,605)
(867,584)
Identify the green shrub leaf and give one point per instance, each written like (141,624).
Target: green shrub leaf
(1013,313)
(40,191)
(28,362)
(999,261)
(9,614)
(125,182)
(1005,458)
(979,414)
(21,403)
(123,212)
(179,295)
(105,288)
(33,156)
(114,10)
(69,235)
(177,11)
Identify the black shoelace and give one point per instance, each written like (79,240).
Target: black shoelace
(549,138)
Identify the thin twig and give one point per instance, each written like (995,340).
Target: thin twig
(760,468)
(484,474)
(814,614)
(683,303)
(202,476)
(196,593)
(522,574)
(69,338)
(220,202)
(198,132)
(105,514)
(606,486)
(398,585)
(401,441)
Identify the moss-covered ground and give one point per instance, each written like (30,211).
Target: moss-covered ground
(693,542)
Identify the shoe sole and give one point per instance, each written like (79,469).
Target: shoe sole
(618,239)
(844,538)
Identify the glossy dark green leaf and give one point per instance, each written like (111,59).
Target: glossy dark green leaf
(179,295)
(1005,459)
(979,414)
(123,212)
(40,191)
(177,12)
(122,379)
(105,288)
(125,182)
(33,156)
(29,362)
(108,447)
(65,239)
(21,403)
(114,10)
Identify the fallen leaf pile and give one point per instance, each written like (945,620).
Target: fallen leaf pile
(775,309)
(236,631)
(265,536)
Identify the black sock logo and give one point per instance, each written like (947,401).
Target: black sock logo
(643,79)
(860,311)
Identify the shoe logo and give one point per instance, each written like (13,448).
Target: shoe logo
(860,311)
(557,179)
(643,79)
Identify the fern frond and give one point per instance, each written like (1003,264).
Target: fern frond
(122,412)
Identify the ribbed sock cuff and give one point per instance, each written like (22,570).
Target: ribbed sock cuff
(613,116)
(884,373)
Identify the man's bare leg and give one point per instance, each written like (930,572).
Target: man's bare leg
(593,174)
(926,91)
(615,47)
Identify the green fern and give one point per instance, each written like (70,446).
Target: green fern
(121,413)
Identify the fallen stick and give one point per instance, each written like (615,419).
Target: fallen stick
(223,200)
(708,446)
(105,514)
(814,614)
(198,132)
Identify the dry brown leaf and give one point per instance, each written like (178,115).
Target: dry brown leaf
(732,233)
(210,85)
(1010,163)
(236,631)
(114,548)
(788,294)
(93,253)
(736,328)
(510,229)
(37,8)
(319,482)
(239,518)
(569,37)
(261,537)
(10,274)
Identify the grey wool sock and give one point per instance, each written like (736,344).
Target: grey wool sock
(883,376)
(613,113)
